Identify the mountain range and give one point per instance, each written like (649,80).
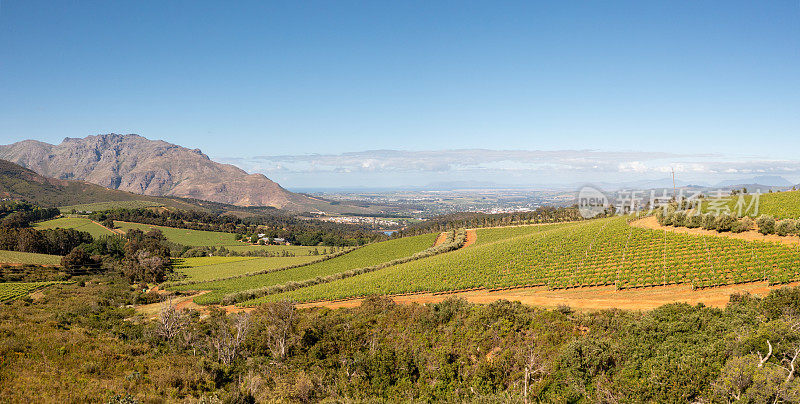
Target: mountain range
(156,168)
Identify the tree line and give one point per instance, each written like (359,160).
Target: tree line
(307,232)
(23,214)
(476,219)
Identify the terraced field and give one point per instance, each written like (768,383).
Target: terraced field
(592,253)
(77,223)
(368,255)
(209,268)
(13,290)
(16,257)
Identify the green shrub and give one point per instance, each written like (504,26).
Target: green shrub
(786,227)
(679,219)
(742,225)
(725,222)
(709,222)
(766,224)
(694,221)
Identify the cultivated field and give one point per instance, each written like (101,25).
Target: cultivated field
(368,255)
(101,206)
(16,257)
(13,290)
(192,238)
(277,249)
(209,268)
(77,223)
(783,205)
(593,253)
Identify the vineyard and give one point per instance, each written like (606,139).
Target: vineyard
(13,290)
(16,257)
(76,223)
(782,205)
(591,253)
(368,255)
(210,268)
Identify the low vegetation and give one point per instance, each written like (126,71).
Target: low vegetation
(77,223)
(78,338)
(16,257)
(14,290)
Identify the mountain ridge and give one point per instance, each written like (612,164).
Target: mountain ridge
(136,164)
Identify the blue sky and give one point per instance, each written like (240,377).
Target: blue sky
(246,79)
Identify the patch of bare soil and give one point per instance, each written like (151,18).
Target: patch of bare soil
(472,236)
(586,299)
(651,222)
(181,302)
(440,240)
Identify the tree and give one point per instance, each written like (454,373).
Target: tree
(228,335)
(77,259)
(171,322)
(275,325)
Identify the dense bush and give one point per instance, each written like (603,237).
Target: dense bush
(766,224)
(709,222)
(785,227)
(451,351)
(50,241)
(694,221)
(725,222)
(679,219)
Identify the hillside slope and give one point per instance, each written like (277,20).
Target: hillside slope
(152,167)
(17,182)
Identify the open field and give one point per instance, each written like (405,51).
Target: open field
(594,253)
(16,257)
(101,206)
(14,290)
(192,238)
(368,255)
(292,249)
(77,223)
(223,267)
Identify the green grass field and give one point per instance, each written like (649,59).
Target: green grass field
(13,290)
(101,206)
(783,205)
(292,249)
(192,238)
(209,268)
(368,255)
(592,253)
(16,257)
(77,223)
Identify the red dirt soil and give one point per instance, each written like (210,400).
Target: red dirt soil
(440,240)
(587,299)
(472,236)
